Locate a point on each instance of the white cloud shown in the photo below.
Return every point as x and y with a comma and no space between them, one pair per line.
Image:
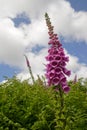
76,67
67,21
14,41
36,33
37,61
10,8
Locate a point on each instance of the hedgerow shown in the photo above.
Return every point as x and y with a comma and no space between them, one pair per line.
36,107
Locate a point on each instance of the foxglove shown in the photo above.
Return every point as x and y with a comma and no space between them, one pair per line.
29,67
56,71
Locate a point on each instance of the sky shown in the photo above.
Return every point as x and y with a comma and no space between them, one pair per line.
23,31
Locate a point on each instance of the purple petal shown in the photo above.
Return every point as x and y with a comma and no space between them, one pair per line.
66,88
63,80
51,42
55,52
66,59
47,76
62,53
57,57
50,58
50,51
61,75
51,74
54,63
67,72
75,79
59,45
62,63
55,81
58,70
48,66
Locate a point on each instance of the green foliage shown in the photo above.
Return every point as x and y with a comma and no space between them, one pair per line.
26,105
34,107
76,103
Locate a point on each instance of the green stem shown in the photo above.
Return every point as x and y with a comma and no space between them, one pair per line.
61,107
61,98
30,71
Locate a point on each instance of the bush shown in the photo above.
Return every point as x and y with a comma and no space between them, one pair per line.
35,107
27,105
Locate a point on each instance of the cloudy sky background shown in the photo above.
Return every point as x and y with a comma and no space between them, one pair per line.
23,31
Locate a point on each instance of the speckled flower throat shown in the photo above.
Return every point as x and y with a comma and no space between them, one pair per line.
56,71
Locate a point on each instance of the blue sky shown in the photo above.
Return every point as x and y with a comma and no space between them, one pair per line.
20,24
79,48
79,4
21,18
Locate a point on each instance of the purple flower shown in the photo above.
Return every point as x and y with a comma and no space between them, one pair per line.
58,58
55,81
54,63
27,61
49,57
63,79
66,59
67,72
65,88
75,79
56,71
29,67
51,74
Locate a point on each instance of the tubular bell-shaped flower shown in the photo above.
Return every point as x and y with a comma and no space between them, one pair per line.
56,71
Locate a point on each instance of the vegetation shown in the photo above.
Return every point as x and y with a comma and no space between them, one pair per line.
35,107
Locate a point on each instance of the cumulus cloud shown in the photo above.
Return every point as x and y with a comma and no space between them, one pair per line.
67,21
12,43
33,8
15,42
37,64
76,67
